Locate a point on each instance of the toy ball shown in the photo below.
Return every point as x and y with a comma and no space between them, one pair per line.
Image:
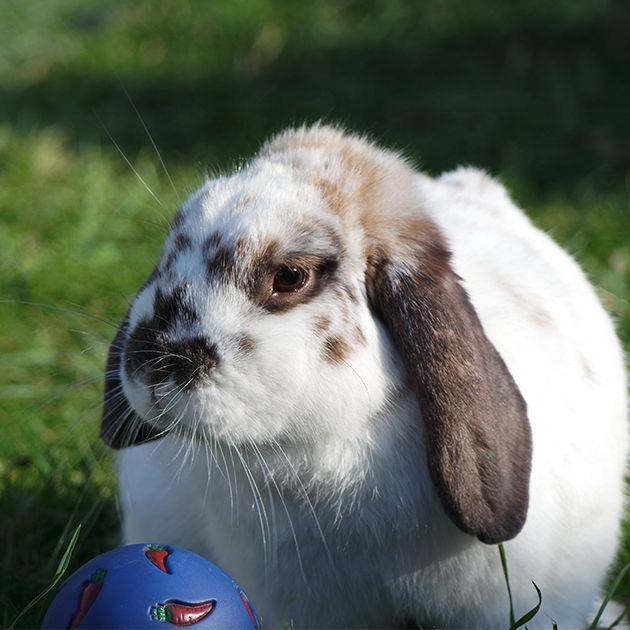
150,586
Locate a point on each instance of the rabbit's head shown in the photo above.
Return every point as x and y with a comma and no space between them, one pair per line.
296,299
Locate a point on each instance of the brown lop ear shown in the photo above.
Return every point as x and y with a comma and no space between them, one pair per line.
477,433
120,425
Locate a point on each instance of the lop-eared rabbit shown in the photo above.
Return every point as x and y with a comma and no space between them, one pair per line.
346,381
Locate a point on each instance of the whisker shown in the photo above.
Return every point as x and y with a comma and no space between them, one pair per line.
365,387
131,166
146,129
61,309
233,492
272,505
206,439
278,449
260,507
291,526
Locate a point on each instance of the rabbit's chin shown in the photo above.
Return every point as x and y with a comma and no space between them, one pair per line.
211,412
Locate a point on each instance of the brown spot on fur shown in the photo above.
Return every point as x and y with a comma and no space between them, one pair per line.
170,260
256,269
212,242
267,257
336,349
351,292
219,263
178,220
182,241
359,336
244,199
241,248
246,344
322,324
538,315
171,307
529,305
332,193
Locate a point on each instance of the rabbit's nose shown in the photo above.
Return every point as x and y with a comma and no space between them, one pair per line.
187,362
152,356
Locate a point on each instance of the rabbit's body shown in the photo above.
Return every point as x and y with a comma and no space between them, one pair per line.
340,515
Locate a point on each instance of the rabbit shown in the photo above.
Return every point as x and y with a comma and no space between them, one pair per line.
346,381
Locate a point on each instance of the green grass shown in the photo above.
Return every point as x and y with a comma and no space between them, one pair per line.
534,91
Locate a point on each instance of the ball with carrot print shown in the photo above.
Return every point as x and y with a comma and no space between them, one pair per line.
150,586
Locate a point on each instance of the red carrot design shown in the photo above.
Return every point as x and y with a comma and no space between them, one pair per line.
248,608
157,554
89,593
181,613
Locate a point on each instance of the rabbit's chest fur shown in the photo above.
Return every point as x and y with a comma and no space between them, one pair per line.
292,522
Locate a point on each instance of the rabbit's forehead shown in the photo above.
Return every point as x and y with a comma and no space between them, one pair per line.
256,221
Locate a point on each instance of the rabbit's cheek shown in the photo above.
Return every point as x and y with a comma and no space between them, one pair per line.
137,395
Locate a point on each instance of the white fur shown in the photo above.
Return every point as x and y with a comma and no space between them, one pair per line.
315,495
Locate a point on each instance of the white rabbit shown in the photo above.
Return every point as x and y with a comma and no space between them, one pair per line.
361,379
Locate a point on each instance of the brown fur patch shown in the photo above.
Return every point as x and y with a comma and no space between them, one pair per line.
245,199
530,306
170,260
322,324
246,344
351,293
242,247
220,263
335,349
359,336
540,316
182,241
267,257
333,194
212,242
178,220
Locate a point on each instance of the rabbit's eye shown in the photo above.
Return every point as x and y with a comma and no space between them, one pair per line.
289,279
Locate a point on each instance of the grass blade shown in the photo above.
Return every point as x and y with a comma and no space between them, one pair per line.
61,569
507,582
609,594
617,621
67,555
531,614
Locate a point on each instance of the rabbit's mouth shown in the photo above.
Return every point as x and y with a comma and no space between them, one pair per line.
166,402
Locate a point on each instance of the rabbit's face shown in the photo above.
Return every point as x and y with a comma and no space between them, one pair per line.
255,323
295,299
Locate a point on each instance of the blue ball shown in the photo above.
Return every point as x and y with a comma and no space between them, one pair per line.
150,586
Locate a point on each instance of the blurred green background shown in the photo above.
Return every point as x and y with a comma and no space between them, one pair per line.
536,92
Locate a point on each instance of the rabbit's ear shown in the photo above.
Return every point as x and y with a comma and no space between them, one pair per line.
477,433
120,425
